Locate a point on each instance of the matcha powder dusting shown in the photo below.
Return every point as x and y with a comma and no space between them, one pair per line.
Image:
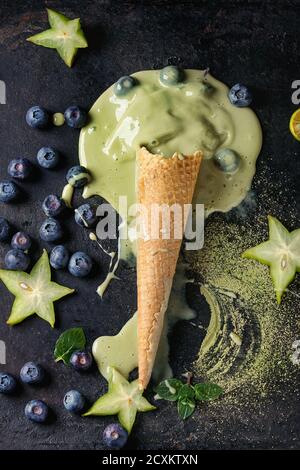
249,337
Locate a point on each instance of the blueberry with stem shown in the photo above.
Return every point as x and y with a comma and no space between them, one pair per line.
37,117
48,157
114,436
75,117
32,373
171,75
59,257
81,360
53,205
86,215
239,95
74,401
20,168
21,241
16,260
77,177
9,191
51,230
8,383
80,264
37,411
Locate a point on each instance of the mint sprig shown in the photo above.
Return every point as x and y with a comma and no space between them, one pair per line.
169,389
186,395
186,407
68,342
207,391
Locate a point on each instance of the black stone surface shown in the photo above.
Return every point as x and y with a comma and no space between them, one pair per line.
254,42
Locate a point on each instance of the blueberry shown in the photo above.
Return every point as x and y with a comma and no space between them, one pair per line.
8,383
227,160
37,117
74,401
53,205
78,176
85,215
5,229
48,157
32,373
171,75
206,88
75,117
59,257
19,168
240,96
124,85
37,411
21,241
81,360
50,230
8,191
80,264
16,260
114,436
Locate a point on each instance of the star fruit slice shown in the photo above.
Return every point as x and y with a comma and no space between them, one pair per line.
281,253
65,35
34,292
123,398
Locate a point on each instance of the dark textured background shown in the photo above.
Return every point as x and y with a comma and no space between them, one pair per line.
256,42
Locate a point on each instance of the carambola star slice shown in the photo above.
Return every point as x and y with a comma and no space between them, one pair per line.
65,35
123,398
34,292
281,252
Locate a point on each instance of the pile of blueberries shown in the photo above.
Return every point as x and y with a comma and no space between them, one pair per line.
47,157
34,374
79,264
20,169
114,436
17,257
40,118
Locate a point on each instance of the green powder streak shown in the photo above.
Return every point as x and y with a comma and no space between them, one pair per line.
242,302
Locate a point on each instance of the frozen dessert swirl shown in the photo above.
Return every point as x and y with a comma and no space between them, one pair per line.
142,121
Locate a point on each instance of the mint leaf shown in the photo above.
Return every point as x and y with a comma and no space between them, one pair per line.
185,407
169,389
207,391
186,391
67,343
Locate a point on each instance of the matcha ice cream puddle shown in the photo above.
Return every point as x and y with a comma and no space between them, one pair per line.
121,352
193,115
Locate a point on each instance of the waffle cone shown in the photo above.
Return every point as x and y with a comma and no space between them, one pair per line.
160,181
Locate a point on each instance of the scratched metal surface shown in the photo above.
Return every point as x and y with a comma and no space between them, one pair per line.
248,41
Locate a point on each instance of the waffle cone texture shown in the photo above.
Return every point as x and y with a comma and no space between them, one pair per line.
160,181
